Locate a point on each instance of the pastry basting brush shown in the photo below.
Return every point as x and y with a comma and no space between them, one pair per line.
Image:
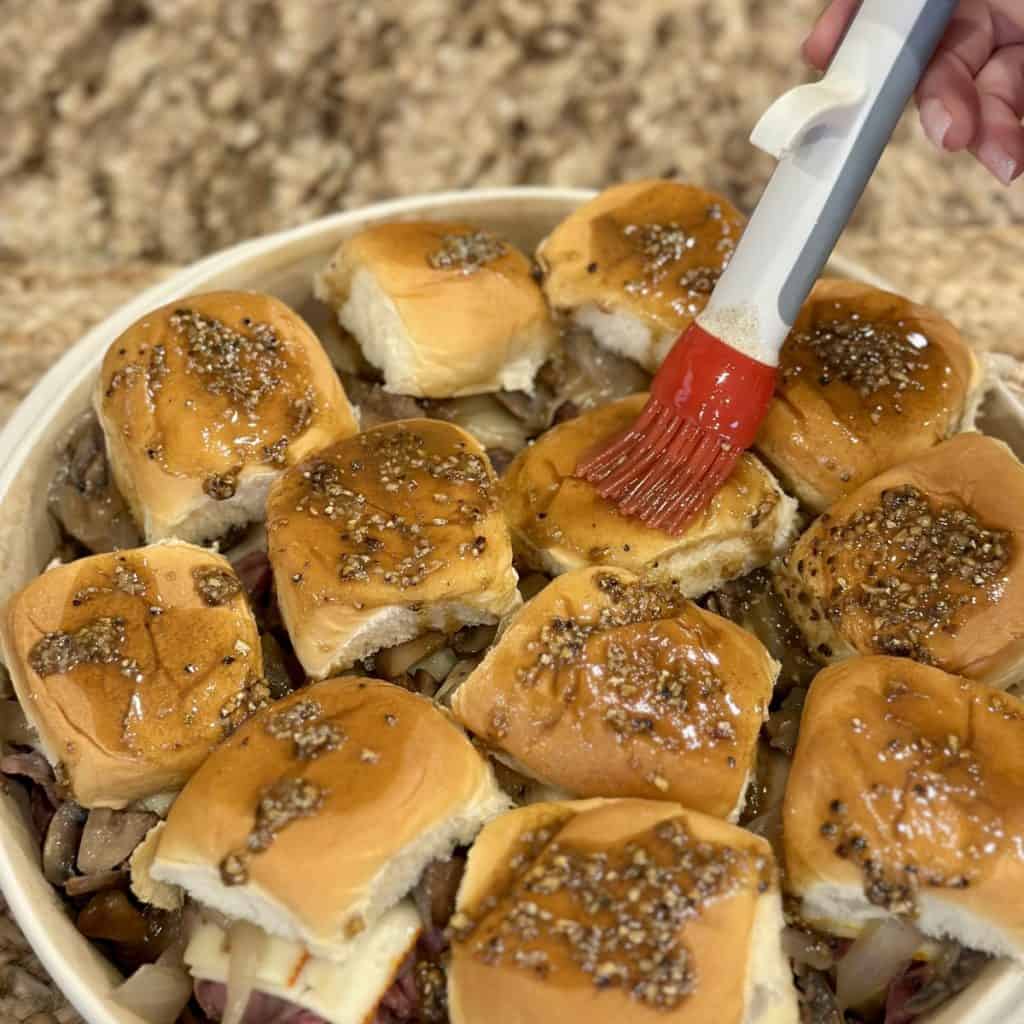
713,390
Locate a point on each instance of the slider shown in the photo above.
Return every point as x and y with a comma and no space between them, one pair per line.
205,401
441,309
906,799
866,380
619,910
607,685
560,522
921,562
132,667
637,264
384,536
305,832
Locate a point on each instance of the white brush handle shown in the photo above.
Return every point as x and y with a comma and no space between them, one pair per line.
828,136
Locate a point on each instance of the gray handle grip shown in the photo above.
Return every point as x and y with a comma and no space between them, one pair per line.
869,144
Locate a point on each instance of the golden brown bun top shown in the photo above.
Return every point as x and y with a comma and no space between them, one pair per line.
212,383
604,685
867,380
329,785
556,511
465,297
924,561
651,248
906,779
545,930
401,514
134,665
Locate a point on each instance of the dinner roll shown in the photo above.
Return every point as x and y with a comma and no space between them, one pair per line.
637,264
286,979
867,379
133,666
606,685
561,522
612,910
440,309
322,811
906,797
204,401
923,561
386,535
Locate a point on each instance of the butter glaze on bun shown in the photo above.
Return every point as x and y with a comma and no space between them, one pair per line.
923,561
906,797
205,401
322,811
560,522
636,264
133,666
687,930
604,685
384,536
441,309
867,380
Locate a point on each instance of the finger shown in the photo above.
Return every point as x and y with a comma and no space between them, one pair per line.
999,143
824,39
1007,22
947,95
949,104
1003,78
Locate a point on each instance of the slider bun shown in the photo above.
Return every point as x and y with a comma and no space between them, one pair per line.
398,786
560,522
923,561
867,380
204,401
130,711
603,685
637,264
386,535
346,993
730,943
907,796
440,309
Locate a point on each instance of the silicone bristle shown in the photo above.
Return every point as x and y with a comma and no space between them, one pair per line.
664,470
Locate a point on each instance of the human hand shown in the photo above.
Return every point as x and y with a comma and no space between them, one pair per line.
972,95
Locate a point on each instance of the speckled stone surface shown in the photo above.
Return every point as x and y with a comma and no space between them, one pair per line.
142,134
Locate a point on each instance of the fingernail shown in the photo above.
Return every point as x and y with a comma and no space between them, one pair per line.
998,161
936,120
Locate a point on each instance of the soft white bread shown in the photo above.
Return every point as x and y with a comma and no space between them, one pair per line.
133,666
322,811
346,993
924,561
637,264
384,536
615,910
440,309
560,522
607,685
907,797
205,401
867,380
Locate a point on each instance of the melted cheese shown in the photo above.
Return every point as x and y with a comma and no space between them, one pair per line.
345,993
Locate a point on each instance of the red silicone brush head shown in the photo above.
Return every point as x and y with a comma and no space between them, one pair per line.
707,402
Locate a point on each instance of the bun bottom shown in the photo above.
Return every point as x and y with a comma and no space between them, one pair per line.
335,637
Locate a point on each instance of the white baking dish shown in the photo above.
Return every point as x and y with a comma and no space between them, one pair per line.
283,265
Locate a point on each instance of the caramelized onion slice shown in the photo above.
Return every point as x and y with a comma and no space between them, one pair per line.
247,945
880,953
155,993
395,661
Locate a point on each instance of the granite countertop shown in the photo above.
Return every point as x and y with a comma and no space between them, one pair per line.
141,135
